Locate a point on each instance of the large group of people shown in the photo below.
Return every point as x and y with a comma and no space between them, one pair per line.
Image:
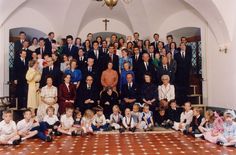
104,84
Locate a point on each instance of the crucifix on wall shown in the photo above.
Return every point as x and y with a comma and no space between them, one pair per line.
105,21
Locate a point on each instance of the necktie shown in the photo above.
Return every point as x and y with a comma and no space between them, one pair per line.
96,54
183,55
90,69
136,57
23,60
129,86
81,59
70,47
165,68
146,65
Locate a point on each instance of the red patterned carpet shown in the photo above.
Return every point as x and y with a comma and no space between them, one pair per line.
120,144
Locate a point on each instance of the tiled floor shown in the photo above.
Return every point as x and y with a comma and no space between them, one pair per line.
120,144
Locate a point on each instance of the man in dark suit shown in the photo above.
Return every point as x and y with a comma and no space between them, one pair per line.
184,64
48,41
137,59
169,39
151,52
155,42
81,59
90,70
111,57
165,69
145,67
129,93
42,48
88,95
52,71
70,49
104,47
99,61
20,70
19,44
25,47
136,38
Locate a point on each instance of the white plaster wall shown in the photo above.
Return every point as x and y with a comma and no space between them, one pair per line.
98,26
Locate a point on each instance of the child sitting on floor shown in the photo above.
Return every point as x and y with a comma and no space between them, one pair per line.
186,118
29,127
116,118
99,121
207,123
67,122
128,122
51,121
77,122
216,130
136,115
147,123
161,117
8,131
86,122
228,137
173,114
197,120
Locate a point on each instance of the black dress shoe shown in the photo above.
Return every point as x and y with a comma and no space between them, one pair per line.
48,139
121,130
16,142
73,134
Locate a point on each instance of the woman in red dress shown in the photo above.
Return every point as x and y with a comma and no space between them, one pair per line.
67,94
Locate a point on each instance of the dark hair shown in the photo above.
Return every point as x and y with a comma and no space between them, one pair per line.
89,34
174,44
23,50
171,101
7,112
169,36
40,39
69,37
136,33
50,33
155,34
22,32
77,39
27,110
64,76
49,77
34,38
95,42
54,41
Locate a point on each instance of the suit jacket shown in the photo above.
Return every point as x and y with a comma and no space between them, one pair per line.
103,50
93,73
44,52
55,73
196,122
73,52
114,60
100,62
85,93
131,93
155,44
142,71
184,66
17,47
161,71
81,63
20,70
48,44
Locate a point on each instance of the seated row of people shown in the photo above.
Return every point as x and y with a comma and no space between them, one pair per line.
213,127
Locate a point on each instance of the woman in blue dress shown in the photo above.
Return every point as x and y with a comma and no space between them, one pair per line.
125,58
76,74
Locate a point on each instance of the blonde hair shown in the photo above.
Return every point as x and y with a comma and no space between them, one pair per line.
116,107
88,113
50,108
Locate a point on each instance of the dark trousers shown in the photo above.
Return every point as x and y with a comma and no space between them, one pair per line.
22,93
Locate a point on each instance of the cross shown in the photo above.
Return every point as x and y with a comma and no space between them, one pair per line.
105,21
